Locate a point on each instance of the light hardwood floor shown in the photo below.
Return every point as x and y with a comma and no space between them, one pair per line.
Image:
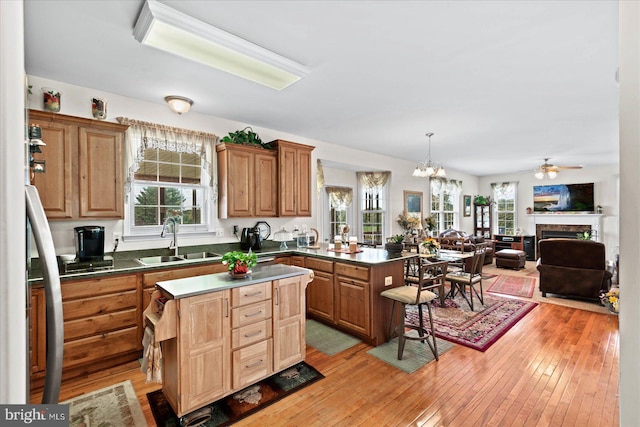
557,367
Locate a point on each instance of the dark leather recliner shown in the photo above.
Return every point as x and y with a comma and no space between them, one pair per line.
573,267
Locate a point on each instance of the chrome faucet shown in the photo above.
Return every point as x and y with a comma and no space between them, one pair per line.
174,242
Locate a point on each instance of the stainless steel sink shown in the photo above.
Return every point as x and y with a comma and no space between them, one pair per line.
201,255
153,260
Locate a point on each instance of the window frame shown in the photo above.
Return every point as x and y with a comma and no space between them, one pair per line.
497,213
384,226
440,212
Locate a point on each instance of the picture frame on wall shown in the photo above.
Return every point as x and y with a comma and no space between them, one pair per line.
466,205
413,204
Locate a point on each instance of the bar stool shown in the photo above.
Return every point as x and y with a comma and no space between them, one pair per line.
419,296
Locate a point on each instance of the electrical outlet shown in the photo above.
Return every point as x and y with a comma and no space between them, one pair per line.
219,232
388,281
117,236
235,230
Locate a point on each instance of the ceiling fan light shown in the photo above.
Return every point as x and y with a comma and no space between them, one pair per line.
552,174
539,174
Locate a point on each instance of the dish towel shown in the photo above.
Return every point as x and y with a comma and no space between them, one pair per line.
151,357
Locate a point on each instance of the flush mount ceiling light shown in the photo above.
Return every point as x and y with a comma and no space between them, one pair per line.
429,169
179,104
175,32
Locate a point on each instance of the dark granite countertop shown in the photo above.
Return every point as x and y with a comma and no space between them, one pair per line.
125,262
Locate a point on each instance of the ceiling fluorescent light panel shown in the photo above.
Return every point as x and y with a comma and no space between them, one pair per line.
167,29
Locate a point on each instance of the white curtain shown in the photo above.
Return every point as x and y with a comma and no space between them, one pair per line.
319,176
504,190
340,197
142,135
443,185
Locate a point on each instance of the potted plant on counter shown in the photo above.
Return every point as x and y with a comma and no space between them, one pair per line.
394,244
239,264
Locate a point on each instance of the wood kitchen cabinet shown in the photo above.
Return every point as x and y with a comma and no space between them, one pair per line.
347,296
289,342
38,332
222,341
102,326
83,161
320,292
247,181
352,294
294,165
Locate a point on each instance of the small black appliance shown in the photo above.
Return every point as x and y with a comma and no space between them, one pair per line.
251,239
89,242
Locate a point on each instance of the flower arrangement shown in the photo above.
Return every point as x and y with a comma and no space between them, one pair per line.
429,245
430,223
612,299
238,262
408,222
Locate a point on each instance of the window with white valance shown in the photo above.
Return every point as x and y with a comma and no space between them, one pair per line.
340,201
373,206
445,206
169,173
505,196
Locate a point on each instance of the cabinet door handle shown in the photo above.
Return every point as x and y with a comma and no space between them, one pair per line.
277,296
253,365
253,314
255,334
227,303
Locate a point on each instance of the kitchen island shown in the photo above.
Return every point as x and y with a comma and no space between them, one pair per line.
219,335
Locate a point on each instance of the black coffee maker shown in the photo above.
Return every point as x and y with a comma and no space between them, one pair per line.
89,242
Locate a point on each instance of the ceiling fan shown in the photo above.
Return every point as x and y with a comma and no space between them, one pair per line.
551,170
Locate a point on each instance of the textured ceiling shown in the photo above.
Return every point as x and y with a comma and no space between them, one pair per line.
501,84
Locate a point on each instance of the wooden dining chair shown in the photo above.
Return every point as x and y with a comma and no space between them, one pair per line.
462,279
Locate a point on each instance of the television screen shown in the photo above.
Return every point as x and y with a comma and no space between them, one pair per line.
563,198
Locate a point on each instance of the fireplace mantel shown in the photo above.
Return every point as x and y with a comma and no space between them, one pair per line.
592,220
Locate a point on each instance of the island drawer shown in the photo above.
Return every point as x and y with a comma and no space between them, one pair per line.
249,294
319,264
253,363
250,334
355,271
251,313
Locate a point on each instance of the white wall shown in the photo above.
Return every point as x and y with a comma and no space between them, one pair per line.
630,212
75,102
605,179
13,290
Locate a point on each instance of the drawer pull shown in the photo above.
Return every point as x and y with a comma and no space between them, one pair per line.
255,334
257,313
253,365
254,294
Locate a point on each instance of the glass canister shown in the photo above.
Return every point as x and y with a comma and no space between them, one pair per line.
337,243
353,244
303,238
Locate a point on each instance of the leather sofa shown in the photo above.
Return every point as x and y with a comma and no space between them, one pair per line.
573,267
460,241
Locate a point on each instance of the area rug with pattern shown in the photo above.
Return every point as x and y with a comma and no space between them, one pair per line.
328,340
477,329
116,405
237,406
513,285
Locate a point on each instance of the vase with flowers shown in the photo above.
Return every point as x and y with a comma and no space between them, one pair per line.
430,224
429,246
239,264
611,299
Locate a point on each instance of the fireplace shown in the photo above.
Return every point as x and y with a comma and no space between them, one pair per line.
564,225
